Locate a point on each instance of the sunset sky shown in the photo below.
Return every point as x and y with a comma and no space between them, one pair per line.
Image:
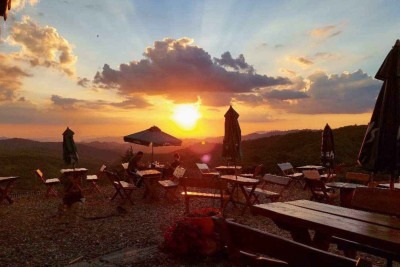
111,68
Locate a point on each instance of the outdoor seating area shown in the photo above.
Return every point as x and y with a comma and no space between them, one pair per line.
163,170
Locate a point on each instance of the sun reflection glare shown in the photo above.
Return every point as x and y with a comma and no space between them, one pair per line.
186,115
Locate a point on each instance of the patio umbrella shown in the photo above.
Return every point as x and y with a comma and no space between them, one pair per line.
380,150
154,137
5,5
327,148
70,153
231,147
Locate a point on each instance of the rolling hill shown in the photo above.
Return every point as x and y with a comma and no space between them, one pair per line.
21,156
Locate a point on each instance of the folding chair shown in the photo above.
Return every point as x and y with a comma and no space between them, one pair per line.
172,184
205,170
256,174
288,170
93,179
319,192
49,183
122,188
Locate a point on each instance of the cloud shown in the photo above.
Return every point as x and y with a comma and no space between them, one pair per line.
302,61
79,104
238,64
84,82
325,32
18,5
42,46
346,93
182,72
285,94
10,78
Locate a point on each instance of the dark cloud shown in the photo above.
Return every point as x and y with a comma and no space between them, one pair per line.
238,64
347,93
181,71
279,46
285,94
84,82
73,103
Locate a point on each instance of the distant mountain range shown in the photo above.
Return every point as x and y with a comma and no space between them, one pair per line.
300,147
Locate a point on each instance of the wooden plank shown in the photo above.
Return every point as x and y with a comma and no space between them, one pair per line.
240,180
366,233
9,178
369,217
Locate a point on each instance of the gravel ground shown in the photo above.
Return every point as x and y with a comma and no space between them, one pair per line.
33,234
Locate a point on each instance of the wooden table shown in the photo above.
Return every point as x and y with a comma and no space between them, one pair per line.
229,170
239,182
372,229
396,186
74,176
311,167
5,188
150,179
346,191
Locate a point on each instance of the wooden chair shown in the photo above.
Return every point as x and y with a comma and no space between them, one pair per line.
216,190
171,185
281,182
122,188
205,170
319,192
314,174
247,246
94,178
288,170
357,177
256,174
49,183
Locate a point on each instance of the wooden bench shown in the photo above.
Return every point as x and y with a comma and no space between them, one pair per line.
212,188
269,179
250,247
377,200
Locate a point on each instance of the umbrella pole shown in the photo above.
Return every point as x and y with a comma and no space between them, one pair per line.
152,153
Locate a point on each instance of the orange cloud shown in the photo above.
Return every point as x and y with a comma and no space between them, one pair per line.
325,32
10,78
42,46
302,61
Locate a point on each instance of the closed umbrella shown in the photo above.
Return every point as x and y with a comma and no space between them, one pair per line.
5,5
380,150
327,148
231,148
70,153
154,137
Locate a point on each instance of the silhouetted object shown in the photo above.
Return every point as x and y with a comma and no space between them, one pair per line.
5,5
70,153
380,150
231,148
154,137
328,148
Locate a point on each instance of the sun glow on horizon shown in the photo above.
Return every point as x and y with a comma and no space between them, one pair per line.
186,115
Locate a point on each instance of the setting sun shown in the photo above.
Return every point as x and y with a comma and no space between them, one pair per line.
186,115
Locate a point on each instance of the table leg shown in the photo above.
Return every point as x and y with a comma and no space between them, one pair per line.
231,194
322,241
247,197
4,193
346,196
